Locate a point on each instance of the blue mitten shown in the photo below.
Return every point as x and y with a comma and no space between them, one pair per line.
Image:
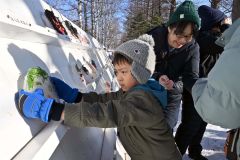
64,91
35,105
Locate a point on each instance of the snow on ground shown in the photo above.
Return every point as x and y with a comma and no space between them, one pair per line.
213,142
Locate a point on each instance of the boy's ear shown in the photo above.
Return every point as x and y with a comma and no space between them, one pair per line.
169,30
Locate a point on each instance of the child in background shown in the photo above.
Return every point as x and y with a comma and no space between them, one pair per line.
136,109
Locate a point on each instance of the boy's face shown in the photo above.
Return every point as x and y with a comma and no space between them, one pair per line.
124,76
177,41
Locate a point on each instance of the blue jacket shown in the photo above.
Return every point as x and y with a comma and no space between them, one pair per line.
152,86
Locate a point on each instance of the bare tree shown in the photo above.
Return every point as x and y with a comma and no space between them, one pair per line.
173,6
147,8
226,6
92,16
85,15
97,17
215,3
80,11
235,10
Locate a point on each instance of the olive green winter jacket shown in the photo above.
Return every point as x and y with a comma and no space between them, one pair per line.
138,116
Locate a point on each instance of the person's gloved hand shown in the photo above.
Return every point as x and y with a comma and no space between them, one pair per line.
35,105
64,91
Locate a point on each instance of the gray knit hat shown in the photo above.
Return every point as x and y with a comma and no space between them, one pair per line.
141,52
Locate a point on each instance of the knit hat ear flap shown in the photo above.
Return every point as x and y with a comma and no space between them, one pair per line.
140,73
149,40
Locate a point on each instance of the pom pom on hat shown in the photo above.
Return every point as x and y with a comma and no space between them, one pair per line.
147,38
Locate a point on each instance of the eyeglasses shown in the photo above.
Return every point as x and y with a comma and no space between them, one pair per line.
186,37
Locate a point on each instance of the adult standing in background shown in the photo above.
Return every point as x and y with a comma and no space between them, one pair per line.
177,56
190,131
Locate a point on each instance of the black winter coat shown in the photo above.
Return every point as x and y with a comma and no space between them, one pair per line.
209,54
180,65
209,51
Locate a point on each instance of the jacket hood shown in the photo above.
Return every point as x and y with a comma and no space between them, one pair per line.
156,90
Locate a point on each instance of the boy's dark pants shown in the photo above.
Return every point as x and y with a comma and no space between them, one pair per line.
191,130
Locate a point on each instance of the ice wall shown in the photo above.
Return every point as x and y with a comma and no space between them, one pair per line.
27,39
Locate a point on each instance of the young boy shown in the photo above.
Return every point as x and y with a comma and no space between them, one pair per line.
135,109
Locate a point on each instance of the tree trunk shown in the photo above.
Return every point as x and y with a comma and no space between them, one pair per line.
236,10
173,6
85,16
215,3
148,8
80,4
92,18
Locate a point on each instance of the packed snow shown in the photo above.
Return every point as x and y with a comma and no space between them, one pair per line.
212,142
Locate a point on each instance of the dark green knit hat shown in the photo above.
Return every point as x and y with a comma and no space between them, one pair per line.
185,12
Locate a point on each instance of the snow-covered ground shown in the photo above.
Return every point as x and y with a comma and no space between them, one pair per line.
213,142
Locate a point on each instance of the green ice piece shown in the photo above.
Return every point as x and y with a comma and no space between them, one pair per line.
33,74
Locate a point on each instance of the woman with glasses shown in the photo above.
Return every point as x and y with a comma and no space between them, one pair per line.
177,56
191,131
177,59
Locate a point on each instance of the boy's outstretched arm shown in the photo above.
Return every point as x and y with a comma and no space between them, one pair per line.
133,109
64,91
72,95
